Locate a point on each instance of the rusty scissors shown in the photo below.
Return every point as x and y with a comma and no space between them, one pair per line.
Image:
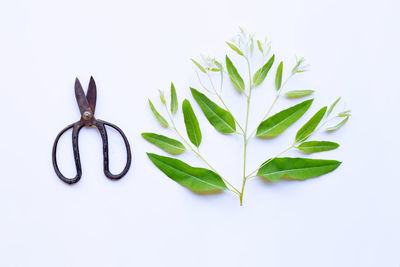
87,105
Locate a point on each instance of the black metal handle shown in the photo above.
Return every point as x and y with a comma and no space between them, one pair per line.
103,132
77,126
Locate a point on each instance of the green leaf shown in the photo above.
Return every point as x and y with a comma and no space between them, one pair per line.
278,77
235,48
221,119
234,75
162,98
297,168
337,126
198,65
317,146
346,113
333,106
174,100
260,46
160,118
251,49
167,144
219,65
279,122
309,127
191,123
196,179
298,65
298,93
260,74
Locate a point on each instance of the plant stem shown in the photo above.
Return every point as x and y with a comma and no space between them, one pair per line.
202,85
245,134
197,152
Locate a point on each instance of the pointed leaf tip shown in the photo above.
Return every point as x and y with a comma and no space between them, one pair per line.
221,119
337,126
158,116
198,66
235,48
278,123
174,99
317,146
192,124
261,74
234,75
297,168
196,179
333,106
278,77
167,144
298,93
309,127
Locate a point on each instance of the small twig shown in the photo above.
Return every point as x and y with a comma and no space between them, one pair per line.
245,133
202,85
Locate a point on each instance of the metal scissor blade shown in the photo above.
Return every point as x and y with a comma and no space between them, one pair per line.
91,94
81,97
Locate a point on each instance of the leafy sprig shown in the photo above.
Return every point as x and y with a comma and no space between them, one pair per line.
222,119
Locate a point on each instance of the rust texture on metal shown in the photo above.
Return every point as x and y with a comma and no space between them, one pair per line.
87,105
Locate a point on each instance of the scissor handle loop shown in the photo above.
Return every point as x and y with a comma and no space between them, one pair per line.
76,127
103,132
100,125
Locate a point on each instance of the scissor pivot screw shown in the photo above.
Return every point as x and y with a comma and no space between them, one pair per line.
87,115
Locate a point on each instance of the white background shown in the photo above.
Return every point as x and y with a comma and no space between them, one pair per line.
349,217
